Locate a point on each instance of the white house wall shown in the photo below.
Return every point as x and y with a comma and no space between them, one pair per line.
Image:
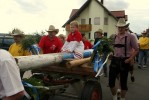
110,28
95,10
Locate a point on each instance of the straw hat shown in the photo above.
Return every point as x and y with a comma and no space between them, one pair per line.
99,31
144,32
17,32
122,23
52,29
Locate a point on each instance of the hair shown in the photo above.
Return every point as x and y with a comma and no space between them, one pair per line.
83,34
75,23
61,36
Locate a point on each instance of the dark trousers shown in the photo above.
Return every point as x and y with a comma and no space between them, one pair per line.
118,67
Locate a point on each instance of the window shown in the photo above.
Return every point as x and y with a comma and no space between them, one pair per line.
89,36
97,21
105,34
90,21
83,21
105,21
0,42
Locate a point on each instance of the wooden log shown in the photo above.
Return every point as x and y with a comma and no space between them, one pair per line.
39,61
88,71
77,62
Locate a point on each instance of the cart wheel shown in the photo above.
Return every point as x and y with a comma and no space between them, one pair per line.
92,91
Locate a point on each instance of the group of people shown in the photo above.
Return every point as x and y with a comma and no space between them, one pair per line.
125,49
75,42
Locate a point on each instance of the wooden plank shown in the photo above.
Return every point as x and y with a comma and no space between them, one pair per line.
61,69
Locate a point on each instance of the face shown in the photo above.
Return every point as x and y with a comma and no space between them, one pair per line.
83,38
98,35
17,38
121,30
51,34
73,28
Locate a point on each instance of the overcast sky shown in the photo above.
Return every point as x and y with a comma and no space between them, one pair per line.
36,15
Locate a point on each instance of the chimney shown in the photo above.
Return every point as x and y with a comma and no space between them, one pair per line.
102,1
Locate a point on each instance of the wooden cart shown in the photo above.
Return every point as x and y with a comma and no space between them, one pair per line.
81,78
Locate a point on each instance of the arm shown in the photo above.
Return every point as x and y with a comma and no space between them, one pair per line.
26,53
17,96
135,48
10,78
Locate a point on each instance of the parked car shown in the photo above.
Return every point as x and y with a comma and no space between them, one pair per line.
5,41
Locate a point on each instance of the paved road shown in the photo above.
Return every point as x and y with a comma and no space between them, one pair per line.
139,90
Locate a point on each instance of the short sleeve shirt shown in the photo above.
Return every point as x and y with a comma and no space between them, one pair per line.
76,36
87,45
131,44
16,50
50,46
10,81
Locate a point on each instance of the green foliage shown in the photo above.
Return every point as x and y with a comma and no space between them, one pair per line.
31,39
28,41
35,82
105,46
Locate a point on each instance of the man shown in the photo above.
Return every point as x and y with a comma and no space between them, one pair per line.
98,35
51,43
123,56
143,52
87,44
11,87
16,48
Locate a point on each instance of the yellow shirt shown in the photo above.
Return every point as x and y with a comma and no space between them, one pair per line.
16,50
144,42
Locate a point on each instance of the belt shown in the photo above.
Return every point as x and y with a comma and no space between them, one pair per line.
120,58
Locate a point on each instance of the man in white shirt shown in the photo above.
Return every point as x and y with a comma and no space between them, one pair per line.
11,87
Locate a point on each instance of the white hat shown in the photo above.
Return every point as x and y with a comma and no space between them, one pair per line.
52,28
122,23
17,32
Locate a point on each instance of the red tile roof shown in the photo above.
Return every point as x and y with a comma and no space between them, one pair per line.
86,4
118,14
73,12
147,30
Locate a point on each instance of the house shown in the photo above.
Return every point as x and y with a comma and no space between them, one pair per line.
92,16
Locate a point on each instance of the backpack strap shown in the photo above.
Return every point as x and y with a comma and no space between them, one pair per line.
125,46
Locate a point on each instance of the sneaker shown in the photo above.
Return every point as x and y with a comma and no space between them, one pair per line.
118,94
132,79
139,66
115,97
144,66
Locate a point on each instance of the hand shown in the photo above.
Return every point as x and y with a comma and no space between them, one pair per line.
129,60
110,56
